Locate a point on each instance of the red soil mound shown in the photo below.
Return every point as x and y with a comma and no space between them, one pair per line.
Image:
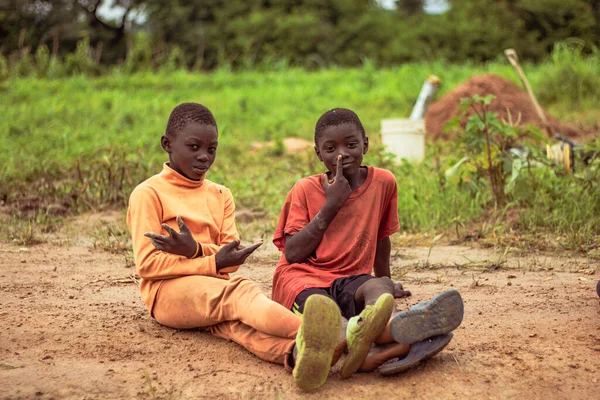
508,97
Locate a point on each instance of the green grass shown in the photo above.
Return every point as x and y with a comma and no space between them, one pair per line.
52,125
87,142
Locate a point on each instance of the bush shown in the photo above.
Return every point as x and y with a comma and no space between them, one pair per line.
23,64
567,204
139,56
81,61
571,76
174,61
4,72
42,60
55,68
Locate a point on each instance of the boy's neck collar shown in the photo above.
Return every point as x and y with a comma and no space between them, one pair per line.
359,178
175,178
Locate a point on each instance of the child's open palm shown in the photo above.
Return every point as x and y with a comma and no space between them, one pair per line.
181,243
233,254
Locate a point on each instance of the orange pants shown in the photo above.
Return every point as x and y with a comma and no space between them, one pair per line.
233,309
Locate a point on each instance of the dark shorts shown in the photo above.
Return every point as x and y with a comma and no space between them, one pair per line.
342,291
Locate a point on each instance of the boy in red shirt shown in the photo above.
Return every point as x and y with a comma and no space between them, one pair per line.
334,231
185,275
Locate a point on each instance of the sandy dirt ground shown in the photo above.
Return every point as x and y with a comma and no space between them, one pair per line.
73,326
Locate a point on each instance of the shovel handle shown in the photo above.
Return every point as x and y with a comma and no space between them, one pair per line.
513,58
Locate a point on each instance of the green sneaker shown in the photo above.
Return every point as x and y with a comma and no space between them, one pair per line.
363,330
316,341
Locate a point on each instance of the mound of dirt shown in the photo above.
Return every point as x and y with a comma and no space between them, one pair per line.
510,99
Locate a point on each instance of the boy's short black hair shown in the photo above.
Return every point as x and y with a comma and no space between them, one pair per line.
338,116
186,113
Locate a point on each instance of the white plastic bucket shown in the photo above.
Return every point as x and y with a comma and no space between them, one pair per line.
404,137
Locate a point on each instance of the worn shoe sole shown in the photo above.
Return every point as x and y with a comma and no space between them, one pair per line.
316,340
361,336
419,351
439,316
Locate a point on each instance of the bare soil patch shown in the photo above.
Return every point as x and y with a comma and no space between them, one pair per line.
72,325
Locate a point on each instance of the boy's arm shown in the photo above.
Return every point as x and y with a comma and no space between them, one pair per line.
145,215
228,231
381,267
301,245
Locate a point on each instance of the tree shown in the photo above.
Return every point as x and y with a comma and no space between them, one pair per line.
555,20
109,37
60,24
246,33
411,7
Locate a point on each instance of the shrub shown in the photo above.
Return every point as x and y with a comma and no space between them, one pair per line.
571,76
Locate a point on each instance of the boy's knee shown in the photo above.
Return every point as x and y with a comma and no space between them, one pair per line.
378,286
386,283
371,290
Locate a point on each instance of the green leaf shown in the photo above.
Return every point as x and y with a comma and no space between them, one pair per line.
488,99
517,166
455,169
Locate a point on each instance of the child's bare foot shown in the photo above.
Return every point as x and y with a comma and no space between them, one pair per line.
399,291
341,346
316,341
379,354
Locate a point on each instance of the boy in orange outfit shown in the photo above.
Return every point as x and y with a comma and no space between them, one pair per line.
334,231
185,275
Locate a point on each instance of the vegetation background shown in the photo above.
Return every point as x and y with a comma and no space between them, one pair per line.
87,86
207,34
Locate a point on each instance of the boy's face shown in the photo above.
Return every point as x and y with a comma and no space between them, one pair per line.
344,139
192,150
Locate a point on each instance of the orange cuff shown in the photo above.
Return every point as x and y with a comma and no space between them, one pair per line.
198,248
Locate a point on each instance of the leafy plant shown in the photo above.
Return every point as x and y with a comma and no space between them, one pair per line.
488,148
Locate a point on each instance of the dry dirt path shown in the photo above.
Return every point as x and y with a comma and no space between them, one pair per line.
73,326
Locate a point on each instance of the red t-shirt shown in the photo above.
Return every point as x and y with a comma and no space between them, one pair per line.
349,243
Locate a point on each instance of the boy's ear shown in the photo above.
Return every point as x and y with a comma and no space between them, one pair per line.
165,143
318,153
366,145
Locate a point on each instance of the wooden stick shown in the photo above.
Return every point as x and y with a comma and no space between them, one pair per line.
511,54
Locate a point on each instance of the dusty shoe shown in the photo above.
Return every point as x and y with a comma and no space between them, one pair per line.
438,316
316,341
363,330
418,352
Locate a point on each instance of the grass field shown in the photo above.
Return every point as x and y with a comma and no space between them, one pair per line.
86,142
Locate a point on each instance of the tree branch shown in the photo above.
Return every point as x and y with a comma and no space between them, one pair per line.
92,14
124,19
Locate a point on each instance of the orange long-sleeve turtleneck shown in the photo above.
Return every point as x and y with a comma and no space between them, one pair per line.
207,209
